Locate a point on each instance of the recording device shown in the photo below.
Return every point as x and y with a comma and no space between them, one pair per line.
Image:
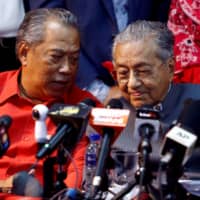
39,114
109,118
180,140
5,123
71,120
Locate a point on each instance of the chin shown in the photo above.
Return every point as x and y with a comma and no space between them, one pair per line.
137,104
55,95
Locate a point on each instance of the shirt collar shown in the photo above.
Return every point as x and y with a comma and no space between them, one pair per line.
159,106
11,88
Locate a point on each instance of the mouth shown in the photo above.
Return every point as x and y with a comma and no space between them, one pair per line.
136,94
61,83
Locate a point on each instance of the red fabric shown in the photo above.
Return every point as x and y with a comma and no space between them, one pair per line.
109,66
16,197
21,153
184,22
143,196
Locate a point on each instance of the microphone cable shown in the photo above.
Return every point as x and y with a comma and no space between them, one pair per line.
60,193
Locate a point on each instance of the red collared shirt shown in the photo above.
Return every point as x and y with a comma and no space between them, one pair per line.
22,150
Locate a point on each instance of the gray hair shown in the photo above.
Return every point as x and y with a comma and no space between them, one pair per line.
32,29
142,29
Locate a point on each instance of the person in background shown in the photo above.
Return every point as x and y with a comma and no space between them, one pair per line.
184,22
143,61
100,21
48,47
12,14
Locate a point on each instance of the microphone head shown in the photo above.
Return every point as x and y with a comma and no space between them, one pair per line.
62,113
115,103
147,124
181,138
74,194
110,117
88,102
190,116
5,121
25,184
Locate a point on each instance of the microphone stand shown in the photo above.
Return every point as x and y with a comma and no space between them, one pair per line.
125,191
61,173
143,175
173,189
52,186
48,171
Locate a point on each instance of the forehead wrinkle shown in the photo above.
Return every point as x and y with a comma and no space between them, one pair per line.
135,52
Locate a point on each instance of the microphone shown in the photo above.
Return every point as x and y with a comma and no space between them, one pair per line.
5,123
70,119
180,139
73,194
147,124
39,114
25,184
108,118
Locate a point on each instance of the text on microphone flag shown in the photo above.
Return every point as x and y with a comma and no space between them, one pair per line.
109,117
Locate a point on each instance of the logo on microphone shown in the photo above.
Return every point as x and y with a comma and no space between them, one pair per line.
109,117
182,136
66,111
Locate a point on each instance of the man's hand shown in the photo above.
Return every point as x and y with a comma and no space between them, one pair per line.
6,185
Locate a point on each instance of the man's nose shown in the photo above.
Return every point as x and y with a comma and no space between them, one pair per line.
134,80
65,67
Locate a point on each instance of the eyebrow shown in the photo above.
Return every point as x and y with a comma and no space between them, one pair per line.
137,65
141,64
64,51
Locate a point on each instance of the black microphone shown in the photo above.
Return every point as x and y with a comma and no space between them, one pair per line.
71,119
25,184
108,134
146,124
180,139
5,123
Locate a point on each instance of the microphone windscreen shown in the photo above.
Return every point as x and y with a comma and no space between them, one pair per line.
74,194
25,184
115,103
190,116
88,102
5,120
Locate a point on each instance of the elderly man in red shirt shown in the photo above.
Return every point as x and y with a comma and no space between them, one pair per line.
48,45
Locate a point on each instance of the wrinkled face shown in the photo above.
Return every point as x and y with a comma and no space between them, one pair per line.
141,75
49,68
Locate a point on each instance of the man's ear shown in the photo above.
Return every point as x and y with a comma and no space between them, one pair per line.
22,53
171,65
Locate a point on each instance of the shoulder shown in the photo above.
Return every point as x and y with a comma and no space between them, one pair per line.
8,86
188,89
6,76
